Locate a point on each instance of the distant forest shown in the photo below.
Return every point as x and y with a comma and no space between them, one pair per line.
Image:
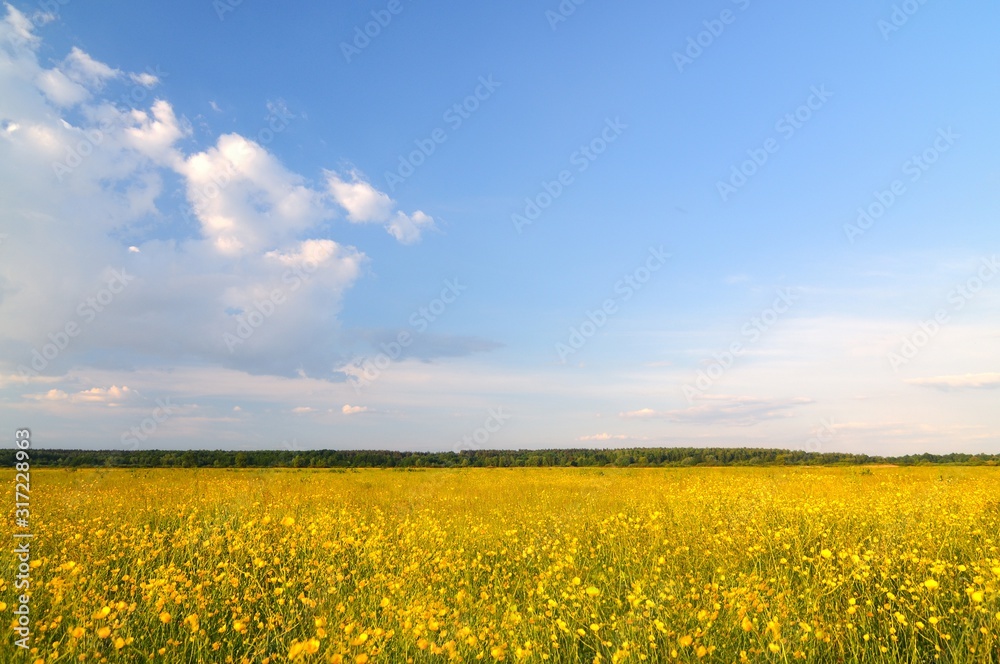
642,457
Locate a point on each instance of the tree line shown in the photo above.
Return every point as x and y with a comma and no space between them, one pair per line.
639,457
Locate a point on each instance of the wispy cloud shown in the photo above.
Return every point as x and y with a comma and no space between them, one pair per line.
978,381
725,410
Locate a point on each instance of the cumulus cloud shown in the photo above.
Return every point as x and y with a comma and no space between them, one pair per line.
83,184
353,410
978,381
246,200
153,134
365,204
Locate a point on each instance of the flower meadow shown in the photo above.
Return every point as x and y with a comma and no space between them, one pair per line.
778,564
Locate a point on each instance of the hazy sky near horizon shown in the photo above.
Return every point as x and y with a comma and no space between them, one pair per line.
428,226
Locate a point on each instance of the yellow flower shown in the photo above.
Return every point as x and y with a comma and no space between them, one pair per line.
104,632
165,617
931,584
361,659
685,640
746,624
593,591
78,632
701,651
773,647
239,626
119,643
312,646
826,553
977,596
288,521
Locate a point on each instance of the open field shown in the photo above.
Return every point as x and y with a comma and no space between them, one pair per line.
576,565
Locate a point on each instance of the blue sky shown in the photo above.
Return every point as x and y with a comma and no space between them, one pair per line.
628,226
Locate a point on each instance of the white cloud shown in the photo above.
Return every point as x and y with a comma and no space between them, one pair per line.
259,229
962,382
725,410
62,90
76,77
145,79
86,71
51,395
641,413
407,228
19,27
245,199
353,410
153,134
365,204
112,396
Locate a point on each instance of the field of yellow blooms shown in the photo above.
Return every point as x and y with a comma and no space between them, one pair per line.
557,565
